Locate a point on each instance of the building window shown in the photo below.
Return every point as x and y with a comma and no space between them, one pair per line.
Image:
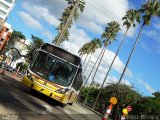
2,13
2,5
9,1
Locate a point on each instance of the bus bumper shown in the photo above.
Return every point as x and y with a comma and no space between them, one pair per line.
63,98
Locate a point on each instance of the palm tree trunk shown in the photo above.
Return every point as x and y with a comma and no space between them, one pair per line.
90,73
93,67
110,68
99,63
135,44
86,97
94,75
87,63
85,60
67,23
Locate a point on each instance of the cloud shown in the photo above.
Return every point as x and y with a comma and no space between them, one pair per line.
98,13
150,33
76,40
156,25
113,79
154,36
145,47
94,18
41,13
30,21
48,35
147,86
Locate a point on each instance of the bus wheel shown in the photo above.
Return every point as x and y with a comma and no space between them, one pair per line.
32,91
63,105
70,103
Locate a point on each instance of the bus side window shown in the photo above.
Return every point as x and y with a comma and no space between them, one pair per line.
78,81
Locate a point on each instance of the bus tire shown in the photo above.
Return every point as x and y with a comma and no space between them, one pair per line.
63,105
32,91
70,103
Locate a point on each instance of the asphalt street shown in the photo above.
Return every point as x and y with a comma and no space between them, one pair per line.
17,102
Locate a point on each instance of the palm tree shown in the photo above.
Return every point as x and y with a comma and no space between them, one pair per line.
70,13
103,49
109,35
95,44
92,68
148,10
85,49
130,18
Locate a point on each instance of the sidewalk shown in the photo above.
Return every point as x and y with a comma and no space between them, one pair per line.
12,74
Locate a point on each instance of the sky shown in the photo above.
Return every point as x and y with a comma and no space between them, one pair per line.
41,17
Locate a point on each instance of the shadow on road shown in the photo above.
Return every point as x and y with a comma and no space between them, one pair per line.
27,90
18,100
31,105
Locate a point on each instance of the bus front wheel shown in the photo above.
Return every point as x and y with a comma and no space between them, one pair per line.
63,105
70,103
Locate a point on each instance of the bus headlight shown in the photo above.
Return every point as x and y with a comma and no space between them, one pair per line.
62,91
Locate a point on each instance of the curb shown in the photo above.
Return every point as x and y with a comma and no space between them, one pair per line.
99,114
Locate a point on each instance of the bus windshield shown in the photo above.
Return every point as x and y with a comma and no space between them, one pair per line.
53,69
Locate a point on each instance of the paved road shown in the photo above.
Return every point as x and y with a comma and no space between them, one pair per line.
18,103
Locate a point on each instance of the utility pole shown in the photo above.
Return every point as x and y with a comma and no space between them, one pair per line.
67,23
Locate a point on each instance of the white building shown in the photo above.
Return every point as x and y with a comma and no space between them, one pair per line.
22,45
5,7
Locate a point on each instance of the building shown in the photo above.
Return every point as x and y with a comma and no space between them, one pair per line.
22,46
5,34
5,28
1,24
5,7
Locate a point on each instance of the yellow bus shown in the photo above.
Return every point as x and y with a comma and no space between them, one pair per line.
56,73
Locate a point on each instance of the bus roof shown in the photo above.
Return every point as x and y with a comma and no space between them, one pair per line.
59,52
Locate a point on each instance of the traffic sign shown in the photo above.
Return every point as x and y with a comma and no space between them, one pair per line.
125,111
113,100
129,108
123,117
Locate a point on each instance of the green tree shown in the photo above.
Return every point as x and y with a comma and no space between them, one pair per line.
156,94
85,49
148,10
15,36
36,43
131,17
94,45
125,94
90,48
147,106
70,13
